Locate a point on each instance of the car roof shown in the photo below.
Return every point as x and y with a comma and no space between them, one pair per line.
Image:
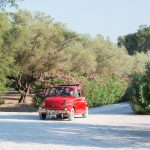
75,86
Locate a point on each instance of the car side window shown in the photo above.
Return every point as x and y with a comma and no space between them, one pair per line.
77,94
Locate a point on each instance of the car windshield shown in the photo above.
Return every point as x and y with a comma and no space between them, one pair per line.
59,91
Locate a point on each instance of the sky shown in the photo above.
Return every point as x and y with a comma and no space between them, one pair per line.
110,18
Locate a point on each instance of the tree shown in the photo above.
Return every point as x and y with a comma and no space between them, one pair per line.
110,59
5,56
38,44
9,3
81,57
136,42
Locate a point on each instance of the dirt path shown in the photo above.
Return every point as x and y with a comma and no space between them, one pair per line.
109,127
11,103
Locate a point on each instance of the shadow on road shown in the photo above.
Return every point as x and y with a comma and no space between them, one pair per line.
20,117
32,117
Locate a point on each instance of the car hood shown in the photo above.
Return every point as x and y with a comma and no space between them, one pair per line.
57,101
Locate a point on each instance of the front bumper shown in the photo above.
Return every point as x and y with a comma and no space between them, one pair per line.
52,112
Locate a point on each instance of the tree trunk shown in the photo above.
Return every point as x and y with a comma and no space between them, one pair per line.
23,97
24,94
22,83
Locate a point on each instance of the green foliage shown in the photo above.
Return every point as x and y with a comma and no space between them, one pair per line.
136,42
110,59
80,59
87,55
41,85
5,56
39,89
33,44
2,90
1,101
139,94
139,60
8,3
104,92
37,45
96,91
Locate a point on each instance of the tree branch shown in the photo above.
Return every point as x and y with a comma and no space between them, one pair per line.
65,43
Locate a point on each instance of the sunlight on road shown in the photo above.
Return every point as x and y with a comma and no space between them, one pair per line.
109,127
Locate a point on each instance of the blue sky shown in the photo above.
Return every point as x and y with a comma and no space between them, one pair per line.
109,18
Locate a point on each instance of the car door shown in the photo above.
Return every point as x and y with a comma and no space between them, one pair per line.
80,103
83,105
77,103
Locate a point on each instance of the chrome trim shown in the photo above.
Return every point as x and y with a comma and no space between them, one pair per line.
52,112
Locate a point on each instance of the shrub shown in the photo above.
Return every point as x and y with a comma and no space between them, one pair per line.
2,89
107,92
1,101
98,92
139,94
40,86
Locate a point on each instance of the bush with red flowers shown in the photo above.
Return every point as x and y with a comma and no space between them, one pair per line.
98,92
41,85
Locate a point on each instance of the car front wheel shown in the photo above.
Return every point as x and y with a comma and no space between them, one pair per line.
71,114
42,116
85,114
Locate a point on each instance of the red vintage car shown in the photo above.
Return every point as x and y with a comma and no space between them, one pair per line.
64,101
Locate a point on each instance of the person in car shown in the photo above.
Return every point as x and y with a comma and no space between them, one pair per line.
67,92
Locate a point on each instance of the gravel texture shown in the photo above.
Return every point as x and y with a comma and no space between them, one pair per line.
110,127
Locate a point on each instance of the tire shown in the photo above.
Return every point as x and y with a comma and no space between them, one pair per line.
85,114
59,117
71,115
42,116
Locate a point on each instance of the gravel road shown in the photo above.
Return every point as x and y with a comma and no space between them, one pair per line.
110,127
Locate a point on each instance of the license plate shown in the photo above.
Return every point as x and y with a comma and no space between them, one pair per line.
53,113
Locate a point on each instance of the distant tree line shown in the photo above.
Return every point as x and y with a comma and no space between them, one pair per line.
136,42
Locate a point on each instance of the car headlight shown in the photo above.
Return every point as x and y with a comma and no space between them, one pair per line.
42,105
64,105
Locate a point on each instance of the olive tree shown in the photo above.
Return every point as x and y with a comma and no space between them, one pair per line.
9,3
111,59
38,44
5,56
81,59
